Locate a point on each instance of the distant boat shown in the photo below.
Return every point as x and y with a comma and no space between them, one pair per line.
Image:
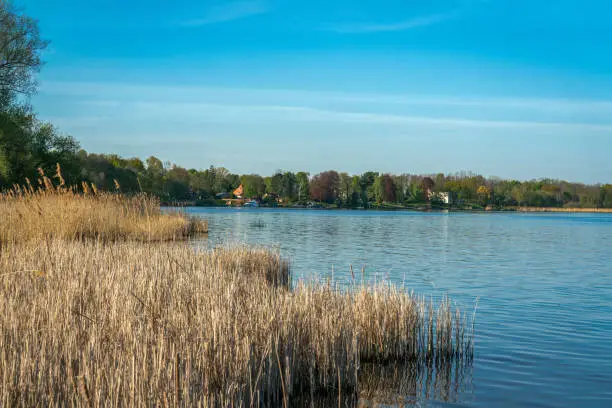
251,204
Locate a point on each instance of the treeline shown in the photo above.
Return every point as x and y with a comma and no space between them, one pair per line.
44,148
339,189
26,144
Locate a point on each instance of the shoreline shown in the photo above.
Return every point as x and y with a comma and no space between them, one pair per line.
563,210
515,209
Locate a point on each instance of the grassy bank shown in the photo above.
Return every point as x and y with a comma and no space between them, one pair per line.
55,211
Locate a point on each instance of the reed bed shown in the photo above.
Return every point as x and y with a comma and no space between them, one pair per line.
93,323
48,210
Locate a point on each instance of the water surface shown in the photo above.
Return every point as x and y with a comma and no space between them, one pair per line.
543,284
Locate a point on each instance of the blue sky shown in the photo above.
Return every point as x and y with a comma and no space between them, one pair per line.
516,89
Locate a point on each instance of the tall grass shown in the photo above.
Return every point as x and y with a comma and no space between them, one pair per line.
48,210
134,324
95,311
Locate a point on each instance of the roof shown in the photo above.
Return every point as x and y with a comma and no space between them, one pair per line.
239,191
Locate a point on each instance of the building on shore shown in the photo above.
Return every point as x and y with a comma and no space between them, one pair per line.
443,196
239,192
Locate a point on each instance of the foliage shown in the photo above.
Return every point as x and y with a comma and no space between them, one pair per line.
303,185
27,144
20,47
325,187
254,185
385,189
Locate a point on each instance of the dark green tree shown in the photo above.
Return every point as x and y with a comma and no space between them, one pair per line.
20,49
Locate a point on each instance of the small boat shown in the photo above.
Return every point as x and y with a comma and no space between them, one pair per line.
251,204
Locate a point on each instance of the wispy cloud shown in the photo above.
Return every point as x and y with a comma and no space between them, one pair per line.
403,25
105,92
254,113
222,13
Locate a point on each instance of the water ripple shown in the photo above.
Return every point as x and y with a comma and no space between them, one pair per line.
544,283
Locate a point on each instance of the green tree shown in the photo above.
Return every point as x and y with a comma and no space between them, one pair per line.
384,189
198,183
27,144
346,188
20,49
402,187
301,179
275,183
606,196
366,183
154,176
177,183
221,182
253,185
288,186
355,195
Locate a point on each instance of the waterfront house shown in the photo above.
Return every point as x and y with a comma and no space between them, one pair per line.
239,192
443,196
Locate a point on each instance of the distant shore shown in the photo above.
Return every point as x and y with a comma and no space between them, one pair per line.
563,210
421,208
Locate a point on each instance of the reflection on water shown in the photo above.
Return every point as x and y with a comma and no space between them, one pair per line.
544,284
413,383
401,384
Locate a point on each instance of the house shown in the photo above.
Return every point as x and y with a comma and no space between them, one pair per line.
443,196
239,192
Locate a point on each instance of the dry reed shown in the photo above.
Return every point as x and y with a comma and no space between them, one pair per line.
123,320
55,211
143,324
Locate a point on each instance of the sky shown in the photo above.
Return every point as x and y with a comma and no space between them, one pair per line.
509,88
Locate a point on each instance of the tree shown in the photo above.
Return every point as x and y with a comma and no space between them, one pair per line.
177,183
154,176
210,175
253,185
366,182
198,183
15,144
20,48
384,189
355,195
440,181
427,185
324,187
27,144
606,196
484,193
416,193
233,181
274,184
301,179
346,187
221,182
402,185
288,185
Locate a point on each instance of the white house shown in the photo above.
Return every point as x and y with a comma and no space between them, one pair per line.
443,196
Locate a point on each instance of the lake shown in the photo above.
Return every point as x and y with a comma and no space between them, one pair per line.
543,284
